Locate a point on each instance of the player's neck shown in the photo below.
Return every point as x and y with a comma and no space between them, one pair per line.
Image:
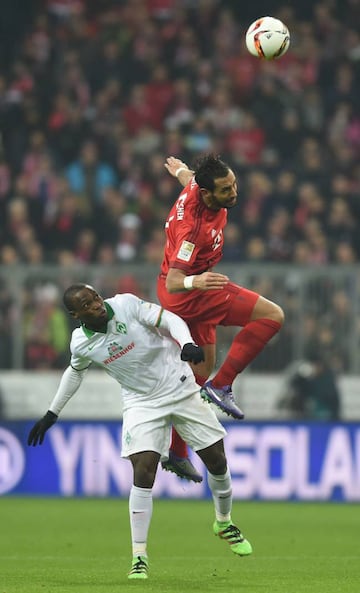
97,330
210,203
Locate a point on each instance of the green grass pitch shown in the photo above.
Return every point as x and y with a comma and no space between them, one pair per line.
75,546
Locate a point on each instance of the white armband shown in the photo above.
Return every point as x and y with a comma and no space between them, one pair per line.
180,169
188,282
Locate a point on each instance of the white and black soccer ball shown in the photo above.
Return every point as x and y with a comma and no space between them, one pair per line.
267,38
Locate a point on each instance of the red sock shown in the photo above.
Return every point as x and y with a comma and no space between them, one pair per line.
246,345
178,445
200,380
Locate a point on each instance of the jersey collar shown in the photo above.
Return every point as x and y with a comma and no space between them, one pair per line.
89,332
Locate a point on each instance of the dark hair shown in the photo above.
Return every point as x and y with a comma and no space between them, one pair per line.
70,292
207,169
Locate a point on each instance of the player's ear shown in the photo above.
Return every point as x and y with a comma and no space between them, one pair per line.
73,314
204,192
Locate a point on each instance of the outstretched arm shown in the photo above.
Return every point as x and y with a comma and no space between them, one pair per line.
69,384
179,169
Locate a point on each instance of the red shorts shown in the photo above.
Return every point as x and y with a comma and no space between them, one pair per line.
203,310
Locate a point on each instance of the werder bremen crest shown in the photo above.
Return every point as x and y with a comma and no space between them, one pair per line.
114,348
121,327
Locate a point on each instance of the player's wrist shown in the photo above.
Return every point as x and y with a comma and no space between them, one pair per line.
189,282
181,168
50,417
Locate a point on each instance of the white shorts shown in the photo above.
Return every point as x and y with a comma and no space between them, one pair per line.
146,428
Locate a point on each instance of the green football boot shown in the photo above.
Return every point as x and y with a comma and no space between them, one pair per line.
233,536
139,568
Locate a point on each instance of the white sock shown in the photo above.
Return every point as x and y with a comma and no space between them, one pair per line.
221,490
140,511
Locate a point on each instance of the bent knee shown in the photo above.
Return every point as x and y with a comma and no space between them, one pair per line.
265,309
144,477
277,314
218,468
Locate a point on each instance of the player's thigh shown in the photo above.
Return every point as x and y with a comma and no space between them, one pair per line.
144,466
214,458
146,429
203,332
242,302
264,308
233,305
197,423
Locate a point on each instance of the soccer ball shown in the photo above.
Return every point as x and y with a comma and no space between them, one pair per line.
267,38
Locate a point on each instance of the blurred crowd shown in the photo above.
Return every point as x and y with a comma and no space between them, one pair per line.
95,95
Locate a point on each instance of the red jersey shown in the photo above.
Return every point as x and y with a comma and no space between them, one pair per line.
194,234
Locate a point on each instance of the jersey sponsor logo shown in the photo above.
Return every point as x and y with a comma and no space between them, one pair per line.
180,209
186,250
113,348
121,327
116,351
217,241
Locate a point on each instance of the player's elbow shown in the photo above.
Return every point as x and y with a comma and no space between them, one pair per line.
170,286
174,280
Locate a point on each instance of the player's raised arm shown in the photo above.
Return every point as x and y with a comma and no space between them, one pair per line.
179,169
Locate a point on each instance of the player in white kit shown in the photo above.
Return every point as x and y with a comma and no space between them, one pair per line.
146,349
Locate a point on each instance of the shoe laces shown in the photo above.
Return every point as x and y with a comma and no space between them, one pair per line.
139,566
232,534
227,390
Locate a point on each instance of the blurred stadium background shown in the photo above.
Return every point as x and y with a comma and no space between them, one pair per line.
93,97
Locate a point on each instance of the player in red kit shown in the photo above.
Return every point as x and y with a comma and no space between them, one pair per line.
189,287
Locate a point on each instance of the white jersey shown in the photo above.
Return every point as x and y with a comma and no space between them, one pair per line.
135,352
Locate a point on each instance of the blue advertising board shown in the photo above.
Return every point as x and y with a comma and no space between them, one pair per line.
268,461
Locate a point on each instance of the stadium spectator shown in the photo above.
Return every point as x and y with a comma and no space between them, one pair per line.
256,250
140,112
312,391
232,250
278,237
7,311
246,143
154,249
62,230
46,330
165,393
127,245
85,246
9,255
89,176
